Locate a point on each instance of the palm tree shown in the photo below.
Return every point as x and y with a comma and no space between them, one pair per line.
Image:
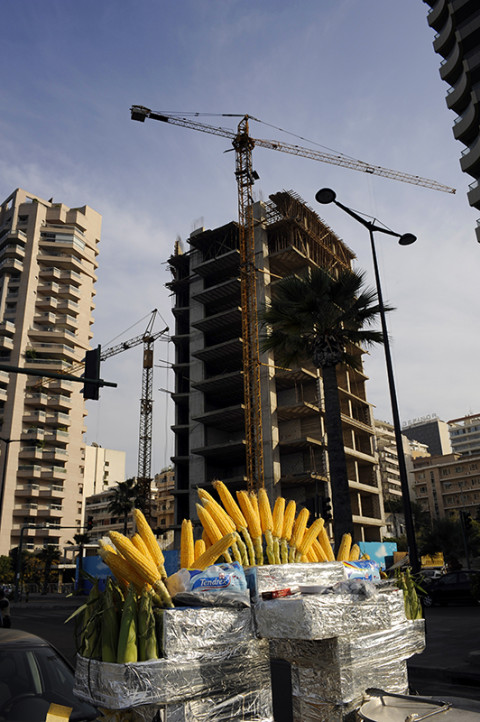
50,557
321,316
124,499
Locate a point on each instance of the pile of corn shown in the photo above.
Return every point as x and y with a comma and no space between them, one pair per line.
248,531
121,627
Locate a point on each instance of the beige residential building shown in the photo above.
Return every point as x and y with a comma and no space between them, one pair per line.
48,260
209,406
448,484
465,434
103,469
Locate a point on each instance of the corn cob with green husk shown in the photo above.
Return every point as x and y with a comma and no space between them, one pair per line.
266,522
253,522
91,640
288,521
146,635
413,608
278,515
235,513
298,533
110,622
145,568
127,649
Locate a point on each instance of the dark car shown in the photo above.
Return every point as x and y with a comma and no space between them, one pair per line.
34,675
453,587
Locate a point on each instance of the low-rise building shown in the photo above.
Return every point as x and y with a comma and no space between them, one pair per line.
448,484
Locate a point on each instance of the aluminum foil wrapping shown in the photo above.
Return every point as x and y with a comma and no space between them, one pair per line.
320,616
233,669
190,632
254,706
279,576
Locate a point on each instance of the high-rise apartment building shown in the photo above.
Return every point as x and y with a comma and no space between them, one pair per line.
209,408
457,40
48,261
388,460
448,484
104,468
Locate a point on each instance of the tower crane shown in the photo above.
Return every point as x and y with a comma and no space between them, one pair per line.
148,338
243,145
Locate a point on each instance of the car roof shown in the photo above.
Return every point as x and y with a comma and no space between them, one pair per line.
18,637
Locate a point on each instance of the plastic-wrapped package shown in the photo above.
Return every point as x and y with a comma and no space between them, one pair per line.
338,670
231,669
307,710
279,576
190,632
253,706
320,616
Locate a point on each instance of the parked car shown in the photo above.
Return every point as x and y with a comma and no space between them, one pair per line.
33,675
452,587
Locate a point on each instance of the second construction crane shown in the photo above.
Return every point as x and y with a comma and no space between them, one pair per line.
148,338
243,145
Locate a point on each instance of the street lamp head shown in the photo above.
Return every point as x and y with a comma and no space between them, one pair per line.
325,196
407,239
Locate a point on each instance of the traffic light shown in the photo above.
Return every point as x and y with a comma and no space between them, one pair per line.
468,521
92,372
326,508
90,523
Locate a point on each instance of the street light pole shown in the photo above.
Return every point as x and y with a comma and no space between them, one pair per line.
325,196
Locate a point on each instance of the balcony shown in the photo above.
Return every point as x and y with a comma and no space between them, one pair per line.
470,160
452,66
437,15
70,293
473,194
30,490
444,40
465,128
6,343
48,288
11,265
458,97
51,273
30,470
46,302
34,416
46,318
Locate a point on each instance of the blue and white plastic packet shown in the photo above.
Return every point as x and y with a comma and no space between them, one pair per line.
217,585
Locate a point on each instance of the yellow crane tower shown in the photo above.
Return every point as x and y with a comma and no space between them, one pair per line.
243,145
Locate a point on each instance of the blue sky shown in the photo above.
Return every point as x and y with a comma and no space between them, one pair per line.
355,76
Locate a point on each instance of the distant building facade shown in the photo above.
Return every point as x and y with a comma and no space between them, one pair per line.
431,431
465,435
448,484
103,468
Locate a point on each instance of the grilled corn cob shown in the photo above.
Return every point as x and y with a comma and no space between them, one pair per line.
199,548
226,526
308,538
354,553
278,515
326,546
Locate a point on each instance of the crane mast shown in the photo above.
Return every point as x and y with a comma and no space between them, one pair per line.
243,145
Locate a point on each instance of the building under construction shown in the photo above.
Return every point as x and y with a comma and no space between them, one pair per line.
210,436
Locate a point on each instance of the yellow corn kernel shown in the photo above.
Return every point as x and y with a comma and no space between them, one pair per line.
231,506
278,516
205,539
211,528
220,517
252,519
208,501
344,549
211,555
199,548
317,549
299,527
145,531
265,511
354,553
123,571
186,544
310,556
326,546
141,564
141,546
288,520
310,534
